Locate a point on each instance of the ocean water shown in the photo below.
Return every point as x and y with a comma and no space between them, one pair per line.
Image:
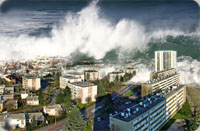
174,18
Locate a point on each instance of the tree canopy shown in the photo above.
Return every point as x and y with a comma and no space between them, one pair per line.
75,121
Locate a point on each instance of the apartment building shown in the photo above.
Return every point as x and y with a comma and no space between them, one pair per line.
165,60
76,74
147,115
175,98
152,113
31,82
65,80
160,83
115,76
91,75
162,74
83,91
130,70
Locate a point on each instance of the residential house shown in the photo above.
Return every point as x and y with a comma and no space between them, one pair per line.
53,110
32,100
11,104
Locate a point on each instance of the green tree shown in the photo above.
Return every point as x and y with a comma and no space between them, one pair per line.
59,98
56,77
41,100
185,110
33,123
75,121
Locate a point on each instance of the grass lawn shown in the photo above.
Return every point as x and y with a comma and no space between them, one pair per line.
129,93
179,116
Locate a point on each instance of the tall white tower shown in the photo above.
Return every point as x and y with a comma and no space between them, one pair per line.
165,60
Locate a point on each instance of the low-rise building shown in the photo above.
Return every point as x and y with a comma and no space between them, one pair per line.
53,110
116,76
38,116
9,90
130,70
83,91
14,121
10,104
8,97
91,75
32,100
24,95
31,82
1,105
65,80
2,88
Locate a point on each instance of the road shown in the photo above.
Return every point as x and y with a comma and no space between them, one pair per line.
59,126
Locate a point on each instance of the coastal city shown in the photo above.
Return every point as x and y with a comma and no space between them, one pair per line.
54,94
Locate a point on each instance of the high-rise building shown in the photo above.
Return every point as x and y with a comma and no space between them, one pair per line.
165,60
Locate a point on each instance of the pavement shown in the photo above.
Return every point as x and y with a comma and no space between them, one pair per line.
177,125
59,126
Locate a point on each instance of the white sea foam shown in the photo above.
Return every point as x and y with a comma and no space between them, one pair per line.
87,31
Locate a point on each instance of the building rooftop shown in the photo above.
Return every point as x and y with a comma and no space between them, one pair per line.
30,76
56,106
82,84
116,72
91,71
138,109
170,91
20,116
172,69
11,102
36,115
74,73
32,98
69,77
160,79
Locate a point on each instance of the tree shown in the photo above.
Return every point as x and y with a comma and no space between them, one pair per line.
33,123
56,77
59,98
75,121
40,97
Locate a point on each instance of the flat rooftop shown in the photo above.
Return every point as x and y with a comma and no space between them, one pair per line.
138,109
82,84
160,79
91,71
69,77
74,73
116,72
170,91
